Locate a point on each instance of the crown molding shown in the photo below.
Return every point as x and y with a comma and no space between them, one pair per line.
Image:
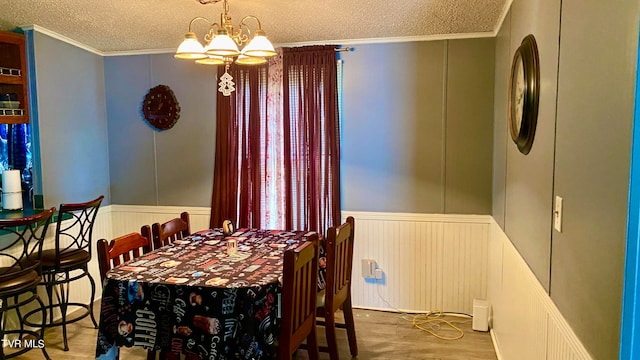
62,38
139,52
343,42
503,15
386,40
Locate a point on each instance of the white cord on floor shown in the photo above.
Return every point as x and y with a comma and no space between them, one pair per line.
430,321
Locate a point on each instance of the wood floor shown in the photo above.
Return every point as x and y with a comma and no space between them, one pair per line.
381,335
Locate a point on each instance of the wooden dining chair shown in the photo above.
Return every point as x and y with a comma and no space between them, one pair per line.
124,248
170,231
299,288
165,234
337,292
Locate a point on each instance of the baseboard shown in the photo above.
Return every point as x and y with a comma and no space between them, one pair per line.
496,347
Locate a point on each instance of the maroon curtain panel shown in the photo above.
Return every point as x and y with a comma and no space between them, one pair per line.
311,138
310,141
237,174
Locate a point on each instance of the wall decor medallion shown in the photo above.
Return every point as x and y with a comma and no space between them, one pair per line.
160,107
524,94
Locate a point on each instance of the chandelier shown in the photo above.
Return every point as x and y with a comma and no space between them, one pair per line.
225,44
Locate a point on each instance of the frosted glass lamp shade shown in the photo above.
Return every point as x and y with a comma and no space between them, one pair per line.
259,46
190,48
222,45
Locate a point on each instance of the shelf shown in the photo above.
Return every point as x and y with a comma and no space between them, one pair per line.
14,80
14,119
13,76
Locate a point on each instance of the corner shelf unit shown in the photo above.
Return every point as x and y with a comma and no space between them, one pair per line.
13,77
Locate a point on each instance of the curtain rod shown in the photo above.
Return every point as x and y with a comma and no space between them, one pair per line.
347,49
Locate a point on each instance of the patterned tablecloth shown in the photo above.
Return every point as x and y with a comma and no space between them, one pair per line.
196,298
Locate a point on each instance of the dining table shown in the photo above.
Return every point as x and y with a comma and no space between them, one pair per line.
207,295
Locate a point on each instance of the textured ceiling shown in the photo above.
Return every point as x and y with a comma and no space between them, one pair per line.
144,25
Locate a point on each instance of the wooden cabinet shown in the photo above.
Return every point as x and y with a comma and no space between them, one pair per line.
14,98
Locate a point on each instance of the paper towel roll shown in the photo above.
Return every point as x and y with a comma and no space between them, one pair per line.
11,181
12,200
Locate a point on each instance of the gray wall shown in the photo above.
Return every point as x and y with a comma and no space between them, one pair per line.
92,144
424,147
581,152
150,167
528,197
416,127
72,122
595,111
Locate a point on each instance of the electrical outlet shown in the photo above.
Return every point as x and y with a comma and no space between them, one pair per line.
557,215
368,268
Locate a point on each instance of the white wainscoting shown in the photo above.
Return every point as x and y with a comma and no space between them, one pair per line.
430,261
526,324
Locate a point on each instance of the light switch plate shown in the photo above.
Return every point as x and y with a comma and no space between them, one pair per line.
557,214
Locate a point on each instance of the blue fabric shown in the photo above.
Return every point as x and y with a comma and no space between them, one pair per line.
15,151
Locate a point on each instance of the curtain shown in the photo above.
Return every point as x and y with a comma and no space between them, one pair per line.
237,175
277,144
311,138
273,201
